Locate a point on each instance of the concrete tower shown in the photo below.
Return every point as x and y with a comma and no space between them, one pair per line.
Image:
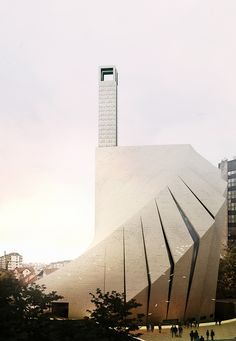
107,120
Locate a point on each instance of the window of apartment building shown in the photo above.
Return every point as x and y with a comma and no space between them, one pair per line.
231,206
231,182
232,219
232,194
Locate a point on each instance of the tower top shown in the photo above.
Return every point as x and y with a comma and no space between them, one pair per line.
108,73
107,120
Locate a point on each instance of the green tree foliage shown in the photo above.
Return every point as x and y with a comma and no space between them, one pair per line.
25,312
113,315
227,274
19,301
10,297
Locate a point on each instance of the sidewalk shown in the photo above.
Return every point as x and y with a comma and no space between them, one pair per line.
226,331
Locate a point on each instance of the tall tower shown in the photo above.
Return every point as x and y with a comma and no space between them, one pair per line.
228,173
107,120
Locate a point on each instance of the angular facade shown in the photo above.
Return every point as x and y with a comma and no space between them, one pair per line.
160,227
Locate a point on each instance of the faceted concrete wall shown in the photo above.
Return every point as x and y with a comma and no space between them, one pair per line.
160,227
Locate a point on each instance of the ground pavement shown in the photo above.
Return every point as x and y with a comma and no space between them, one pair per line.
225,331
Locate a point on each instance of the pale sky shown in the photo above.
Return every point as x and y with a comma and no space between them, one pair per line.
176,61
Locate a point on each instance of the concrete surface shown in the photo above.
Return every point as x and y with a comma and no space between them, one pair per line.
226,331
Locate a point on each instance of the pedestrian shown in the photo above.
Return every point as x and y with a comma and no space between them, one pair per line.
172,331
175,330
159,327
207,334
195,335
152,327
191,335
201,338
180,331
212,334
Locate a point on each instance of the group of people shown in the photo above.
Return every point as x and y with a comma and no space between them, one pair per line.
176,331
194,336
150,327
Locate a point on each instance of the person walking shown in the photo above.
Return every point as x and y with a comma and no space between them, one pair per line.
191,334
207,334
180,331
159,327
212,334
195,335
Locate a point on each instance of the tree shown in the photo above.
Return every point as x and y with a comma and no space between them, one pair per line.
227,274
10,297
113,315
19,301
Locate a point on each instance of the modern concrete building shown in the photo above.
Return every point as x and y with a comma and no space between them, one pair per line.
228,171
160,228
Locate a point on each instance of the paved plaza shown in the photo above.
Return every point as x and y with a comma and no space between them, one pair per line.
225,331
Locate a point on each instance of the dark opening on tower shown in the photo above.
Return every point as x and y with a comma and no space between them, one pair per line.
107,74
